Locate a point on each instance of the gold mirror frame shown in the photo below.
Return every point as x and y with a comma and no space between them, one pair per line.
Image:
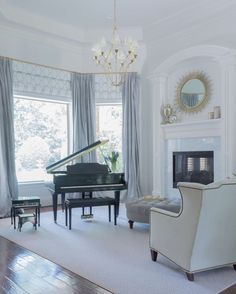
199,75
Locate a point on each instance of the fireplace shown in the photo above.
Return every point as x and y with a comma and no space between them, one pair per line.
193,166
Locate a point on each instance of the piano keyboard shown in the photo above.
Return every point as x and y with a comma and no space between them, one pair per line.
93,186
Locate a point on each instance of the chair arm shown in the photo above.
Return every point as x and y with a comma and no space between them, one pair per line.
214,185
192,185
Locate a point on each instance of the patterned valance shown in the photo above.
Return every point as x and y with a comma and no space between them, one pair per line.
105,92
40,81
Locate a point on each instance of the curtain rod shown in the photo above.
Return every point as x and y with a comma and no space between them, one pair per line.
58,68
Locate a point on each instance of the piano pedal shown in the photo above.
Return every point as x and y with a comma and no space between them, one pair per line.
87,216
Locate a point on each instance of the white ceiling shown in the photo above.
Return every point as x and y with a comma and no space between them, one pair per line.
89,14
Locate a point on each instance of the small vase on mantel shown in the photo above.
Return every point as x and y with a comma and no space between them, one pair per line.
217,113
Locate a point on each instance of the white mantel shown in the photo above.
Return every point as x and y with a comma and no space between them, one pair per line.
195,132
205,128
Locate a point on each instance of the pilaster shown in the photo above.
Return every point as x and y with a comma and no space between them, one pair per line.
159,88
228,92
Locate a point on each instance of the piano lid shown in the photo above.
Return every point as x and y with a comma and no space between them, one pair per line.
75,155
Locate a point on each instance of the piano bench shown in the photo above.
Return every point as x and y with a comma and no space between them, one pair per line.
90,202
27,217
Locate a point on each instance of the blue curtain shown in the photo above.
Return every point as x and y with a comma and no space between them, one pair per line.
8,181
130,100
83,107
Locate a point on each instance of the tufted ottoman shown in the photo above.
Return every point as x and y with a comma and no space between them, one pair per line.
139,210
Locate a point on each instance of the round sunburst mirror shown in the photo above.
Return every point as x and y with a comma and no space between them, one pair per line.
193,91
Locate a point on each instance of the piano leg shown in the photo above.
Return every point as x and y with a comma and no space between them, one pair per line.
109,212
62,201
54,204
90,208
70,211
66,214
115,213
84,209
83,196
117,198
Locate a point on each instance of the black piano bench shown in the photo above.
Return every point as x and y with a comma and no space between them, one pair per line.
89,202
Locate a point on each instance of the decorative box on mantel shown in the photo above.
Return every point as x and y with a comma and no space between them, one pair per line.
206,128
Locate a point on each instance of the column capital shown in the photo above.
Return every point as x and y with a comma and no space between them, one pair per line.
158,77
227,60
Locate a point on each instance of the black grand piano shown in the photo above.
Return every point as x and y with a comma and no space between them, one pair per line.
83,177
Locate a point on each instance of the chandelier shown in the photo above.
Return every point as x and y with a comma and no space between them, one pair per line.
115,56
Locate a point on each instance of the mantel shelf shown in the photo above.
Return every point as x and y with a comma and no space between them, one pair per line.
191,129
195,122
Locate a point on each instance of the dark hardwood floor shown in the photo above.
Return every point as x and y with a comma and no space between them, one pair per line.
22,271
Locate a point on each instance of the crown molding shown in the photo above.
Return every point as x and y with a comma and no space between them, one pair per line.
194,17
20,19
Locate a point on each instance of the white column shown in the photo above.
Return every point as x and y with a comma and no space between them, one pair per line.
159,92
229,115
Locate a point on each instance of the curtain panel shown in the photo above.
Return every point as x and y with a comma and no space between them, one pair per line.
130,99
83,108
8,181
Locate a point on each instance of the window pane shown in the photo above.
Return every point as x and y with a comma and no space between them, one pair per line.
109,126
40,137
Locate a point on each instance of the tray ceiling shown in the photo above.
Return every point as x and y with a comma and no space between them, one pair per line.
89,14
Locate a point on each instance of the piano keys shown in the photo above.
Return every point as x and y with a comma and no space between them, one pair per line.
84,177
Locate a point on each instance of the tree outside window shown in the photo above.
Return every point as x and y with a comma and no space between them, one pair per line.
41,136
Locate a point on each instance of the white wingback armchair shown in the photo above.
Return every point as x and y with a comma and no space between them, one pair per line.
202,235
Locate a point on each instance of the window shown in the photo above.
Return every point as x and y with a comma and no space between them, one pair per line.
41,136
109,121
109,126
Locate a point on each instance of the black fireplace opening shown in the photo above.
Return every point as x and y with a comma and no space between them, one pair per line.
193,166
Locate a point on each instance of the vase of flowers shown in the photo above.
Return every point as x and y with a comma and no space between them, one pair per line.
113,157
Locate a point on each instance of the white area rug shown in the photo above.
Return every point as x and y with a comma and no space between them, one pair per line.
114,257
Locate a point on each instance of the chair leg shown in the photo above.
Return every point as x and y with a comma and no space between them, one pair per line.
154,255
190,276
234,265
131,224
